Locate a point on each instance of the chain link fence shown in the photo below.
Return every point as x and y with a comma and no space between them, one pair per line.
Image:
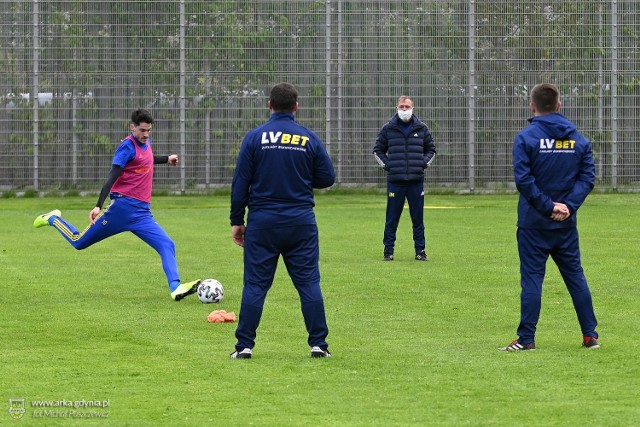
71,72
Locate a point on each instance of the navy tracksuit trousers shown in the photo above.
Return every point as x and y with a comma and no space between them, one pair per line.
298,246
413,192
562,244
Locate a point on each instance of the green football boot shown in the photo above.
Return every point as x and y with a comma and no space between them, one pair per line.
43,220
185,289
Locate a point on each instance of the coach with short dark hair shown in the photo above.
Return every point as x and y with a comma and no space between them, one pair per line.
279,165
554,173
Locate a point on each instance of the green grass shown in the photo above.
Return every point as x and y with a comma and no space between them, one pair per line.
413,343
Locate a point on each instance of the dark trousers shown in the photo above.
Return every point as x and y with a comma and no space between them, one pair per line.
298,246
413,193
534,248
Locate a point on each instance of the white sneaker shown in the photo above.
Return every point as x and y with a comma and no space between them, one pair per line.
244,354
318,352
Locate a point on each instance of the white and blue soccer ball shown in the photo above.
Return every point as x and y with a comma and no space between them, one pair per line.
210,291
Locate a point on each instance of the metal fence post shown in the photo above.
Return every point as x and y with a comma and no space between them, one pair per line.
471,95
36,91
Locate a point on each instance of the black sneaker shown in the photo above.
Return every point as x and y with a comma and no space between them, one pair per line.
319,352
516,346
590,342
244,354
388,256
421,256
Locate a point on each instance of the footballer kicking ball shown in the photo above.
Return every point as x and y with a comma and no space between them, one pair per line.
210,291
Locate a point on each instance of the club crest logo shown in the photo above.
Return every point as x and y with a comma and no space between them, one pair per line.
17,408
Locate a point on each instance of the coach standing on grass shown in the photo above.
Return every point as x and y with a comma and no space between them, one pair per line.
279,165
554,173
404,148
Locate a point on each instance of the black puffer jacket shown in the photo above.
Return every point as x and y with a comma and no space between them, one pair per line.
404,157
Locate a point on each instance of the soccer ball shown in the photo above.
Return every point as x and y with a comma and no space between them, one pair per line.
210,291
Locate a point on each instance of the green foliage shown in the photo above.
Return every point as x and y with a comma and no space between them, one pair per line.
413,343
99,144
111,56
30,193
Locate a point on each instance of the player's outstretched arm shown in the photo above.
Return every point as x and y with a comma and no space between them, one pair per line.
160,160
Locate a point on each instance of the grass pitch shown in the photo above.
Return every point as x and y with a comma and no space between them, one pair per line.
414,343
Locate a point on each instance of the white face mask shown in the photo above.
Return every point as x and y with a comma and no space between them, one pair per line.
405,115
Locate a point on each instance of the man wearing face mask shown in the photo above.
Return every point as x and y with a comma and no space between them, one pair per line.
405,148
